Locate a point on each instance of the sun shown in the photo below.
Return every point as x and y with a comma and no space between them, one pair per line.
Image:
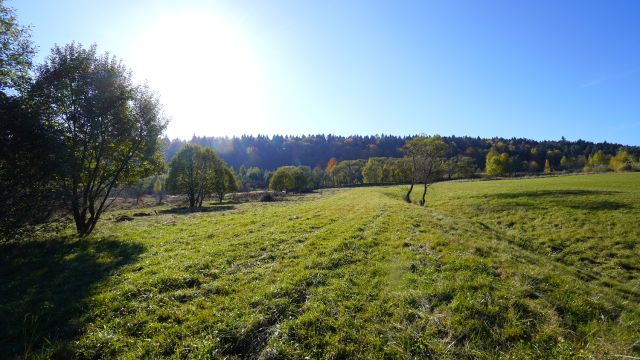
206,72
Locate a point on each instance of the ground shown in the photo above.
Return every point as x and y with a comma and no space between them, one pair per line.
533,268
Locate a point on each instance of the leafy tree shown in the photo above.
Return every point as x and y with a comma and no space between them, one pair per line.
372,171
427,155
292,178
599,161
109,127
319,177
547,167
16,52
497,163
30,156
282,180
622,161
348,172
30,151
158,189
226,181
198,172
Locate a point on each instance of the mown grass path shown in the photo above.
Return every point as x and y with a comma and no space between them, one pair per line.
525,268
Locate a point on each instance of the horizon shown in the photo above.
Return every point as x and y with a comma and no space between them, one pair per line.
512,70
270,136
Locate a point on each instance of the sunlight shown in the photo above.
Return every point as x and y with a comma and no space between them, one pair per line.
207,72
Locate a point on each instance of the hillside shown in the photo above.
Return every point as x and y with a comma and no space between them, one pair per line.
538,268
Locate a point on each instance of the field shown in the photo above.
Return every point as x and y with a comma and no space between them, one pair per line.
534,268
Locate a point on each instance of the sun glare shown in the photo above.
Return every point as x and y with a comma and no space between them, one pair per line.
206,72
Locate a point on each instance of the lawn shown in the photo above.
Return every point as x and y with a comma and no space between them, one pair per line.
535,268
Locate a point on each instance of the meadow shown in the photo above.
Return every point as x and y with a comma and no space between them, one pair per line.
531,268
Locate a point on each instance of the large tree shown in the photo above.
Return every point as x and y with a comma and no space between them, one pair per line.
427,155
110,128
29,147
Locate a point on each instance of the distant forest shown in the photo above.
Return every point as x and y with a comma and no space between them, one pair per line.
269,153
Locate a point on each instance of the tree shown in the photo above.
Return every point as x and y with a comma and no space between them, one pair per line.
547,167
226,181
373,170
196,172
30,151
427,156
110,128
292,178
599,161
158,189
16,52
496,163
282,180
30,157
622,161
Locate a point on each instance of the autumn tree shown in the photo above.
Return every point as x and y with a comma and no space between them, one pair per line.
427,155
158,189
622,161
497,163
110,128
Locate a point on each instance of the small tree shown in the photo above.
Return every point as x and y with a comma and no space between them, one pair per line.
427,156
496,163
194,171
226,183
158,189
282,180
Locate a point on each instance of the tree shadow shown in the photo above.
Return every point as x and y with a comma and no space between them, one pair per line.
44,287
549,194
187,210
573,199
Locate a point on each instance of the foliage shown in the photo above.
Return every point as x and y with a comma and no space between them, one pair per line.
198,172
16,52
622,161
386,170
269,153
599,162
292,178
30,156
347,172
497,164
109,127
158,188
427,156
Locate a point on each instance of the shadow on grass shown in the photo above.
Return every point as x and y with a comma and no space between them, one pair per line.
44,287
574,199
187,210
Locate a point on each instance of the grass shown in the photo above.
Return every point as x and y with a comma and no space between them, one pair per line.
534,268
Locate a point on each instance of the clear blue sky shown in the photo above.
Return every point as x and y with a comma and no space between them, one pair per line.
536,69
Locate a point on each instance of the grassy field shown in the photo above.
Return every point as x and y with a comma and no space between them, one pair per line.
532,268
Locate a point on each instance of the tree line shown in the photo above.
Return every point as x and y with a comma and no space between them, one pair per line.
269,153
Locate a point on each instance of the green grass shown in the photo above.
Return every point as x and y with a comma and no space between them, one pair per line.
533,268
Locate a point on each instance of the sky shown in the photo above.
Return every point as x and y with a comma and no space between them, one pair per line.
534,69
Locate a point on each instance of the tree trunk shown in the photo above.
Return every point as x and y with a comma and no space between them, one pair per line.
424,194
407,197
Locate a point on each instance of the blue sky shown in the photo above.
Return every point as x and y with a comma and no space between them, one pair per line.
536,69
